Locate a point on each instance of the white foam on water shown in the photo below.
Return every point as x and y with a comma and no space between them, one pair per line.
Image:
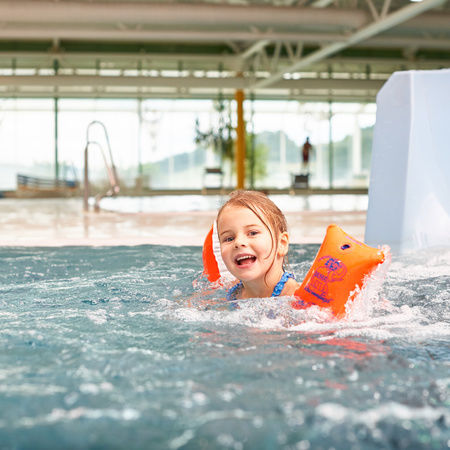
8,315
369,314
365,300
389,411
30,389
99,316
421,265
68,415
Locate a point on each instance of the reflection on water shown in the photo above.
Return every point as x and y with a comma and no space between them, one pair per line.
287,203
101,350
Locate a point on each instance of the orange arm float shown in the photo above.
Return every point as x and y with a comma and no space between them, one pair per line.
341,265
213,266
210,266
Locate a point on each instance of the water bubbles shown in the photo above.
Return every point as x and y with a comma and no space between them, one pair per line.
95,389
354,376
333,412
303,445
258,422
181,440
226,395
170,414
99,316
199,398
130,414
227,440
71,399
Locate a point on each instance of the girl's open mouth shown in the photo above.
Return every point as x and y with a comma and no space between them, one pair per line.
245,260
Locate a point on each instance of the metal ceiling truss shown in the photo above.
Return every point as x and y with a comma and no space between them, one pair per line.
319,50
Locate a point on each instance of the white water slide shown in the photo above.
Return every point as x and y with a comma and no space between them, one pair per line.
409,192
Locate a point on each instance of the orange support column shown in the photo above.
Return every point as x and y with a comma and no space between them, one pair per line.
240,140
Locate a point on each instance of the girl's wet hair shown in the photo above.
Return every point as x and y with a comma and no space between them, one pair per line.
264,208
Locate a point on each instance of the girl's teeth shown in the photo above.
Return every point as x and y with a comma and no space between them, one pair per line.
243,258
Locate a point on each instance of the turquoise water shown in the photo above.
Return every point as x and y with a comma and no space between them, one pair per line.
99,350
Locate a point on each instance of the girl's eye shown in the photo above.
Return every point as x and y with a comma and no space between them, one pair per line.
228,239
253,233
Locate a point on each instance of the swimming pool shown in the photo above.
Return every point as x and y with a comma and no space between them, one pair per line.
99,350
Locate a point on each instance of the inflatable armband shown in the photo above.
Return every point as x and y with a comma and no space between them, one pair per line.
341,265
213,266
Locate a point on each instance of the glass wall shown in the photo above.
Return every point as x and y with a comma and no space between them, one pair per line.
26,140
352,131
170,156
167,144
76,125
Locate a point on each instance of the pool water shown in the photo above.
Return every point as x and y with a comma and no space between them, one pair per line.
100,350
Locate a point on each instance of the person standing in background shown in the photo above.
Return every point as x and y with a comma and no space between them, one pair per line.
306,150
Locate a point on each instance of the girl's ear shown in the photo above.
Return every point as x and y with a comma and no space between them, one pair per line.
283,244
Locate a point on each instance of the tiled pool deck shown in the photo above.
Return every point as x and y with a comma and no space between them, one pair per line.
180,220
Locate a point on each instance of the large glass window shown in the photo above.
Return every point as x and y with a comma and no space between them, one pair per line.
167,144
119,118
340,135
170,156
352,130
26,140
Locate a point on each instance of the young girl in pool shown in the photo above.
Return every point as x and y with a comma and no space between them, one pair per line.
254,243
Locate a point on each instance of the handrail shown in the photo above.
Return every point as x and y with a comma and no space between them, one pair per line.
44,183
110,168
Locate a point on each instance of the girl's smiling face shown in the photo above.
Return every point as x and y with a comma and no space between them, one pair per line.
247,247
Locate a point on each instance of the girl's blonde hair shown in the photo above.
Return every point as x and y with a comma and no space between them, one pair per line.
264,208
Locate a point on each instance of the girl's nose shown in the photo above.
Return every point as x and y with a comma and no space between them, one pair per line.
239,241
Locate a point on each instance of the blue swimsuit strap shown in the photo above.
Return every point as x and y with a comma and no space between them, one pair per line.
232,292
280,285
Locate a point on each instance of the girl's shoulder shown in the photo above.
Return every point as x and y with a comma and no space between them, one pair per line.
290,287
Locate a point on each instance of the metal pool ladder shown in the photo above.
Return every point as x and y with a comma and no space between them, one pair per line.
110,168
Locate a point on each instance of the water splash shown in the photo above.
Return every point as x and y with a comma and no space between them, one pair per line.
370,312
365,300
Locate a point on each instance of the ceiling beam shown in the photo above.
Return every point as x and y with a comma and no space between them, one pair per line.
69,81
364,33
199,65
261,39
255,48
180,14
86,33
127,14
188,82
335,96
133,59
